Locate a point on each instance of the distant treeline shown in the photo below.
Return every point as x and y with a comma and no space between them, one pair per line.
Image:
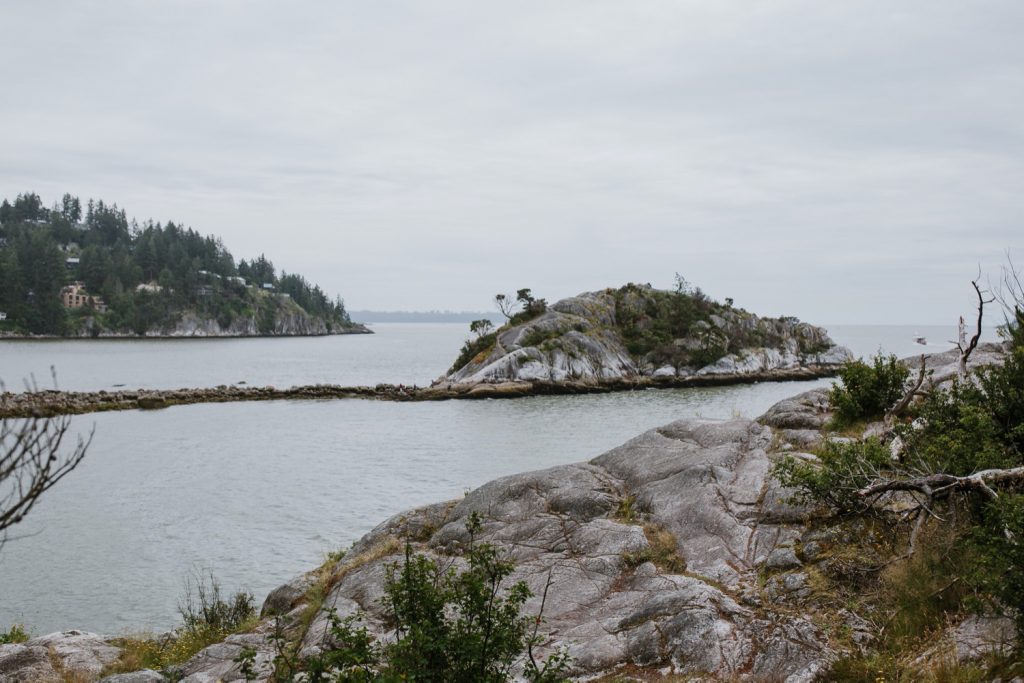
422,316
43,250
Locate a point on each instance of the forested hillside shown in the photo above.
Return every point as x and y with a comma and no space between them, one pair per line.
139,278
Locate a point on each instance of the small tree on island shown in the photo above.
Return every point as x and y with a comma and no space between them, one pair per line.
505,304
481,327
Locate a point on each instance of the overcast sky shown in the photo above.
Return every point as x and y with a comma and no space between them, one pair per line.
839,161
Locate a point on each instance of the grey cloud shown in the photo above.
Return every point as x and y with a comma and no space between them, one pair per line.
819,159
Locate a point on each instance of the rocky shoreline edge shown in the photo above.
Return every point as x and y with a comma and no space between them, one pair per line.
14,336
50,403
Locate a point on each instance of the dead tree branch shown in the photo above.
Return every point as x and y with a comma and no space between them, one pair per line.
933,486
32,462
967,347
1009,293
902,404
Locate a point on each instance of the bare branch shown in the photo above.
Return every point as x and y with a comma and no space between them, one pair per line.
32,461
967,347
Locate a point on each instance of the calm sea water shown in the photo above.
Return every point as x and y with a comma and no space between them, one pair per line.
257,492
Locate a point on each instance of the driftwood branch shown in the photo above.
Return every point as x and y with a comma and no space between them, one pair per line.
934,485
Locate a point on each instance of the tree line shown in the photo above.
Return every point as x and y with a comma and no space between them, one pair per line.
38,248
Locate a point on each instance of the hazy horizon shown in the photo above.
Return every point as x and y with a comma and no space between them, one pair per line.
848,160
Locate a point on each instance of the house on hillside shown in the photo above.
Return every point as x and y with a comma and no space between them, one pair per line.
150,287
75,296
3,316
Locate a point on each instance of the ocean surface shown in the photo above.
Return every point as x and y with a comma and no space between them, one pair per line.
259,492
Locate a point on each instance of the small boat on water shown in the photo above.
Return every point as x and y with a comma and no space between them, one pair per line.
921,340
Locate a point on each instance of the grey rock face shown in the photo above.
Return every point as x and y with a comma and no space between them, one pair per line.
974,639
806,411
576,341
144,676
283,598
217,662
20,663
43,659
705,482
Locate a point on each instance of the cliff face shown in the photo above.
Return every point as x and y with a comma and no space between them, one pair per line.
642,332
289,321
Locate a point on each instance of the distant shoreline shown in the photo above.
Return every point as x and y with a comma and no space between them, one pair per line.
422,316
11,336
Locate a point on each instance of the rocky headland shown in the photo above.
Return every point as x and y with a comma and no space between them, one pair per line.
638,333
290,321
676,553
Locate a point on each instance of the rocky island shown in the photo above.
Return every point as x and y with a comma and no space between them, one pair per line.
639,335
678,554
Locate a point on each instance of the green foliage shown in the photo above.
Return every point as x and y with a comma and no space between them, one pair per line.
537,336
473,348
868,391
841,469
651,321
116,256
207,618
963,433
203,608
972,554
15,634
449,626
997,545
481,327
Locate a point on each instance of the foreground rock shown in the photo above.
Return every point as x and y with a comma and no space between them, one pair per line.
615,335
703,482
56,657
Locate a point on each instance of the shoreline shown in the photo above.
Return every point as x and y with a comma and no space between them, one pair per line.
53,402
7,336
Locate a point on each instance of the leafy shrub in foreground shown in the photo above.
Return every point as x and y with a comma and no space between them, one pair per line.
868,391
449,626
842,468
15,634
972,427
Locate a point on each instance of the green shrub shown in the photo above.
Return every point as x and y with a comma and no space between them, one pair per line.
536,337
842,468
868,391
449,626
972,426
15,634
473,348
207,618
996,543
203,608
